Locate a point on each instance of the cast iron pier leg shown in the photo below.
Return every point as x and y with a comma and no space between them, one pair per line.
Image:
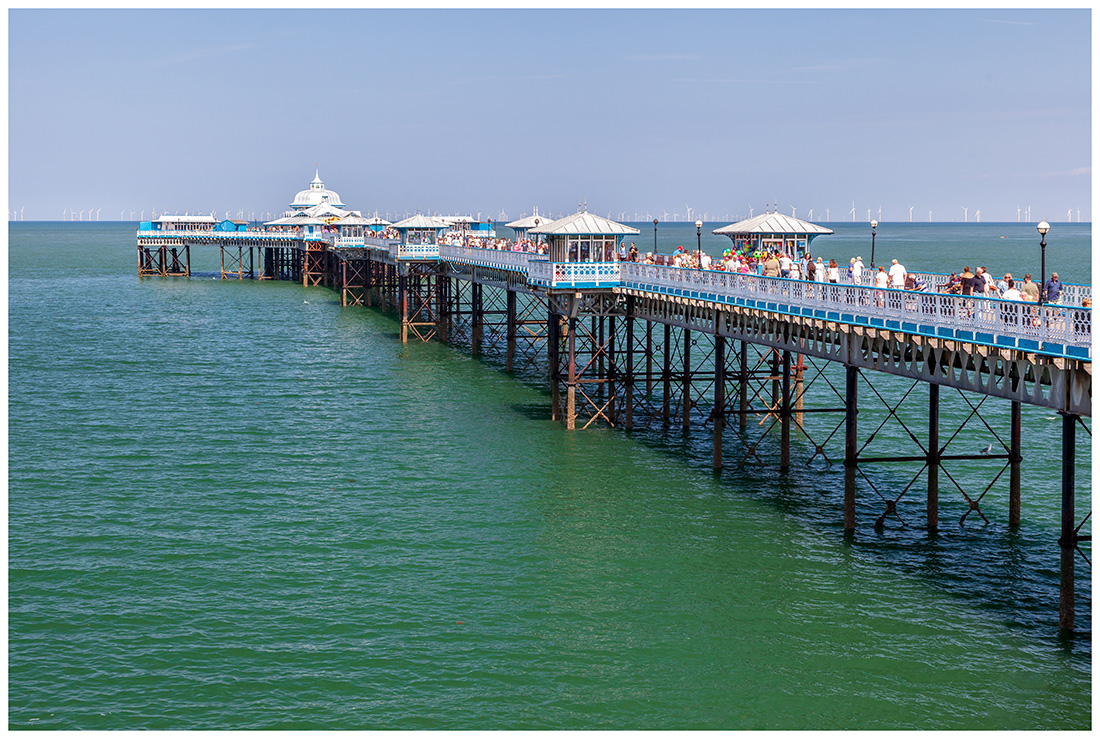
1066,542
851,447
933,506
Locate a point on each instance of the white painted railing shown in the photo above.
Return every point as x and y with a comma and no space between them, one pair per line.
984,320
496,258
224,235
573,274
413,251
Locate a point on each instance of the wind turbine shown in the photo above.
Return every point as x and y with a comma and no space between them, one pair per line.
1029,214
1069,216
97,213
978,215
81,214
826,215
1017,214
910,213
811,215
793,209
868,215
689,210
750,211
965,210
880,213
853,211
21,212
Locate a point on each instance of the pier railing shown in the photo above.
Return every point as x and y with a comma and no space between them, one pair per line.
1053,329
221,235
413,251
545,273
516,261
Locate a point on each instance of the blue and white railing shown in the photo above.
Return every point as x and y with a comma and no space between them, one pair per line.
544,273
221,235
514,261
1049,329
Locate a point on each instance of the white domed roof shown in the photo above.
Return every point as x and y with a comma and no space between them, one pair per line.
316,195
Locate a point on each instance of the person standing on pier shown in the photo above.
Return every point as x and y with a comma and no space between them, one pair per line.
1031,289
857,270
1053,289
897,275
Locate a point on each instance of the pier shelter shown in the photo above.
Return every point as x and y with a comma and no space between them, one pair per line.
773,232
523,225
418,236
583,237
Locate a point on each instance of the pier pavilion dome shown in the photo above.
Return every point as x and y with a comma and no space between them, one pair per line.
316,194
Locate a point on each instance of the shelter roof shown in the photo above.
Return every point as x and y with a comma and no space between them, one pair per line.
529,221
583,223
421,221
772,223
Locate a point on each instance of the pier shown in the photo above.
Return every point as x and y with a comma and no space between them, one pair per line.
626,345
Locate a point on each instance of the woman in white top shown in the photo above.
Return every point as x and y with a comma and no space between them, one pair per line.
819,270
881,278
834,271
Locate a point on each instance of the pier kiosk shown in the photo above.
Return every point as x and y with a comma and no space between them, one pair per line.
579,276
524,225
773,232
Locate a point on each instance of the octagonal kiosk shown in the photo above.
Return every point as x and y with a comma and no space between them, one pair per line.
524,225
418,238
772,232
582,252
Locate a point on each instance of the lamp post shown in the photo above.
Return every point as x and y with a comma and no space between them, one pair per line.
654,236
1043,228
699,244
536,235
874,225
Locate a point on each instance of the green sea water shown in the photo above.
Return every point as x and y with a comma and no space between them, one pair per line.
237,505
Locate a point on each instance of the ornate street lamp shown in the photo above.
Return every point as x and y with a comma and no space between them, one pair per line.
1043,228
699,243
874,225
654,236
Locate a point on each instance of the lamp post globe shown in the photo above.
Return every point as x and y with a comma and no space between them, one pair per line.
699,243
874,225
536,235
654,236
1043,228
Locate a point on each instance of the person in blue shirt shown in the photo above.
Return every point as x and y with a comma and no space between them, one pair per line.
1053,289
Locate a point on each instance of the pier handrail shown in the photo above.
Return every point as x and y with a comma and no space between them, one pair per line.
225,235
1014,324
495,258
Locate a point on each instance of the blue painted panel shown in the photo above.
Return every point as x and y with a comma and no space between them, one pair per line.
1080,352
947,333
910,327
1028,345
983,338
878,322
1004,341
832,316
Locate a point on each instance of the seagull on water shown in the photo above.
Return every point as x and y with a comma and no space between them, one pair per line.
987,450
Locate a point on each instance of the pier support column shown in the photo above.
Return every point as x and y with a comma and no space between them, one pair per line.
743,389
571,384
666,375
932,508
785,415
1014,459
687,379
477,318
1067,541
403,307
510,318
719,413
441,308
612,374
851,447
628,410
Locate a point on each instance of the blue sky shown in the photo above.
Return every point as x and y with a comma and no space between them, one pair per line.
635,111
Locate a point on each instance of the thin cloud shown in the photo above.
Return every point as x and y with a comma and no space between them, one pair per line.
1007,23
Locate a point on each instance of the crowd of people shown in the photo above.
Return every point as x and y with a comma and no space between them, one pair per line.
981,283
